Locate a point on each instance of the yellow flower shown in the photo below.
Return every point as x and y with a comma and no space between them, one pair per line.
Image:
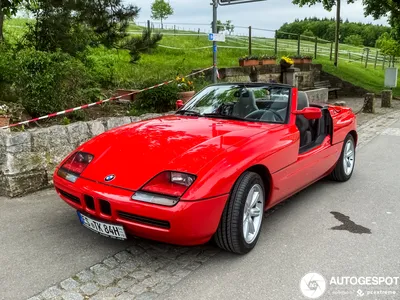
178,78
183,79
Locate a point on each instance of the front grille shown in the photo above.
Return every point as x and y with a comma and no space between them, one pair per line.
73,198
144,220
89,202
105,207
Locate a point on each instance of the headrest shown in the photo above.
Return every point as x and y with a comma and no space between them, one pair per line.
302,101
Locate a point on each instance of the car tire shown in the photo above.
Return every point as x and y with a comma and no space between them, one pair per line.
243,213
345,166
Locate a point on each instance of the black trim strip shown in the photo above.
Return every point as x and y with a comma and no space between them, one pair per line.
144,220
70,197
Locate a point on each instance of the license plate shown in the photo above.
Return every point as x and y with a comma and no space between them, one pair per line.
108,230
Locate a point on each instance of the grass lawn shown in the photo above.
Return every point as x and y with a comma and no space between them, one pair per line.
165,63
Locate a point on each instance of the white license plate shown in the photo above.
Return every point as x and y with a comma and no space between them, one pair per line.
109,230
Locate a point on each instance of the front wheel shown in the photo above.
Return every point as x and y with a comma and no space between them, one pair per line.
242,219
345,166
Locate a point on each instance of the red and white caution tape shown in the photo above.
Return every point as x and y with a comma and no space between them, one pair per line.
97,103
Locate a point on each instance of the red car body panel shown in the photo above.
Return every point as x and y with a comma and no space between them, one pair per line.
216,151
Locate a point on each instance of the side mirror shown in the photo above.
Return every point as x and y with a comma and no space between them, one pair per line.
310,113
179,104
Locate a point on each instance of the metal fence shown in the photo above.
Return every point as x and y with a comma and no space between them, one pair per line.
254,40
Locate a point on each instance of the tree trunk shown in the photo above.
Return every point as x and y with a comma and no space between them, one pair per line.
162,26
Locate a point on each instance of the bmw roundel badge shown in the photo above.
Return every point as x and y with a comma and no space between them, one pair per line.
109,178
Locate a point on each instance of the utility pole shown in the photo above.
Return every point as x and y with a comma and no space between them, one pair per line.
215,30
337,33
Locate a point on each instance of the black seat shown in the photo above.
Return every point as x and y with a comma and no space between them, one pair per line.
245,105
302,123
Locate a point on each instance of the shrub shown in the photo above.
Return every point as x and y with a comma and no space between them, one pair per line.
7,69
158,100
49,82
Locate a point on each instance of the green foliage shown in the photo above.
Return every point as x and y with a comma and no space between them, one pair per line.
109,19
229,27
142,44
49,82
8,8
388,45
7,69
328,4
383,8
74,25
355,40
161,99
65,121
309,33
325,29
160,10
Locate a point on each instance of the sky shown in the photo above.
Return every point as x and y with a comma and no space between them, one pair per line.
270,14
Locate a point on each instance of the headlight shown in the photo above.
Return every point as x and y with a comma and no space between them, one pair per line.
165,188
74,166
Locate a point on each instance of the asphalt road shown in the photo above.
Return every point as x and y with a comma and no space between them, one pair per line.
42,242
297,238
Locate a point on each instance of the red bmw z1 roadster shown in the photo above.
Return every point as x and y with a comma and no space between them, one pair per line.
209,171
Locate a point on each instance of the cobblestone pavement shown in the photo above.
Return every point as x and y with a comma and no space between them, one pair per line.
148,269
142,271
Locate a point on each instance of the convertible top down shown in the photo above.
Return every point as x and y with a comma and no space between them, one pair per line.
209,171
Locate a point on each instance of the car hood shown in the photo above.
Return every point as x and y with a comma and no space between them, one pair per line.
137,152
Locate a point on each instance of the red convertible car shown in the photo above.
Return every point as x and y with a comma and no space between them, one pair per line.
209,171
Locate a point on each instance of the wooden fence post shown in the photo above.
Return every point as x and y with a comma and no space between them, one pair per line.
376,58
366,60
249,40
331,56
316,48
298,44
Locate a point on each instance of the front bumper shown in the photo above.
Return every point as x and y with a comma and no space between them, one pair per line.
187,223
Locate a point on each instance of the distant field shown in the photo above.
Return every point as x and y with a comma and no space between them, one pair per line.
181,51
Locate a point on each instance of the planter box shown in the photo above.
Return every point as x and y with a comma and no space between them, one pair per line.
268,62
297,61
121,92
4,121
248,63
307,61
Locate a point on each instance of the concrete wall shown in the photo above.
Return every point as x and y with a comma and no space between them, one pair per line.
318,95
28,158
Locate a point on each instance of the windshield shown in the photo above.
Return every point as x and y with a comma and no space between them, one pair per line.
266,103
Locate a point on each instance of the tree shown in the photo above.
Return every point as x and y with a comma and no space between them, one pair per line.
8,8
328,4
355,40
229,27
388,45
72,25
160,10
309,33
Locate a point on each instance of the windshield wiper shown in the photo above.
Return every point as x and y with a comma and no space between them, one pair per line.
224,117
189,112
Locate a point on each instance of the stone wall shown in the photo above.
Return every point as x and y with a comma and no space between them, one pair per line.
307,75
28,158
346,88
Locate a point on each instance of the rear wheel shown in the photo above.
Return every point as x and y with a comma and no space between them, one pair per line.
345,166
242,219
